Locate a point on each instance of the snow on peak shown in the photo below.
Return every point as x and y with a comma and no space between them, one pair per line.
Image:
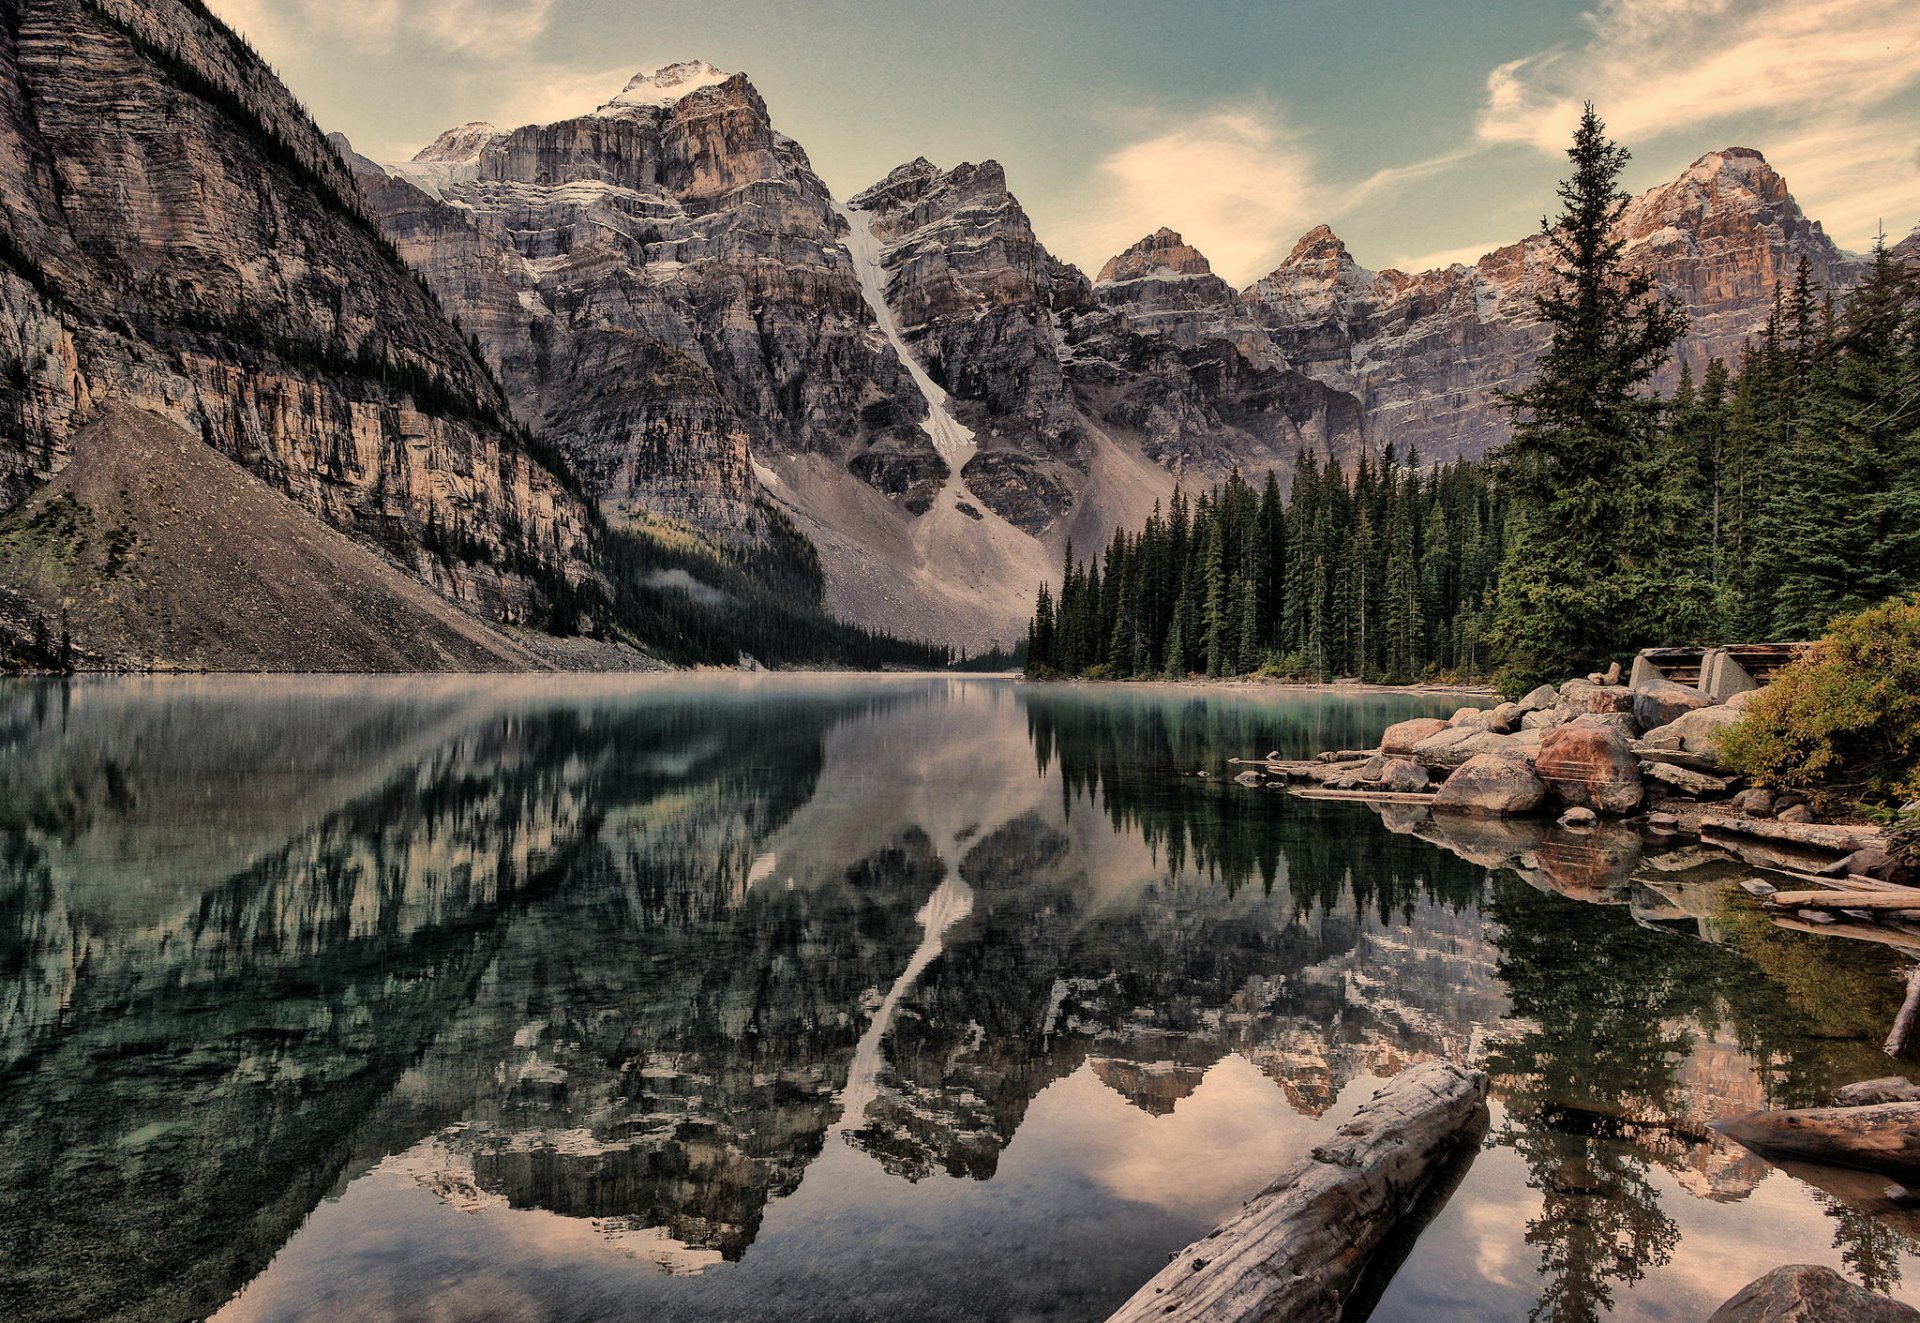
462,144
666,85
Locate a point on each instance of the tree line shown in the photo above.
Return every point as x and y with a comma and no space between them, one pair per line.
1755,503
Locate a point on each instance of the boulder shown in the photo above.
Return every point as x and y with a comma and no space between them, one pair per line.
1402,738
1469,716
1871,1093
1491,785
1403,776
1452,747
1755,803
1796,813
1595,865
1697,733
1591,765
1743,700
1553,716
1540,699
1625,722
1661,702
1506,718
1804,1293
1579,817
1583,696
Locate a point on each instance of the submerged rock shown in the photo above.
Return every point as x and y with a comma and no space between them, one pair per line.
1805,1293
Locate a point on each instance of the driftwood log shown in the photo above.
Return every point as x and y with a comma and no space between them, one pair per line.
1884,1138
1906,898
1903,1025
1821,835
1298,1248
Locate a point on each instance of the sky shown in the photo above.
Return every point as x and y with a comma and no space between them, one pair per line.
1423,131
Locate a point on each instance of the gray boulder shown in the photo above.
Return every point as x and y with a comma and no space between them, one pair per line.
1804,1293
1492,786
1403,737
1698,733
1661,702
1403,776
1540,700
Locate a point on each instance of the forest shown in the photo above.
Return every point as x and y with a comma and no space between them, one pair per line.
1756,502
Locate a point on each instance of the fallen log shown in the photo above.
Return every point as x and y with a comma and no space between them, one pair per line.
1884,1138
1298,1248
1903,1023
1822,835
1686,780
1906,899
1373,796
1897,938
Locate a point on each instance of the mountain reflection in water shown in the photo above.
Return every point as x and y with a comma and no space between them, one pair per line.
808,999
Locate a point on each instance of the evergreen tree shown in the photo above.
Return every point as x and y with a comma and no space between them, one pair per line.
1580,580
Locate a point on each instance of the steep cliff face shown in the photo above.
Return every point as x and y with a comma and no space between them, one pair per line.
179,238
1426,352
663,288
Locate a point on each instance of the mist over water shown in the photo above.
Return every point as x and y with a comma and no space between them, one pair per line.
714,998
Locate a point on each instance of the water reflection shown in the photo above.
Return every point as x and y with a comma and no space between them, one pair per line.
836,999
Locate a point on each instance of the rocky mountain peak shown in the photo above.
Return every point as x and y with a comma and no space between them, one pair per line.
1163,254
459,145
1319,245
658,88
903,186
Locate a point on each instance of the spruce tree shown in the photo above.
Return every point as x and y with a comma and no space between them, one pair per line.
1580,581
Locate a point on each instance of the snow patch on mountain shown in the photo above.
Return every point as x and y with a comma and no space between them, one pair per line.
664,86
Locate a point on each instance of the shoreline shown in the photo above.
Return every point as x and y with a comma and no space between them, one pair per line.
1250,682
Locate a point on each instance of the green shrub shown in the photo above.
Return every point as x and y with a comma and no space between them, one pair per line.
1844,720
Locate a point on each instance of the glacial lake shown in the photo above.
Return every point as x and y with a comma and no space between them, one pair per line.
843,998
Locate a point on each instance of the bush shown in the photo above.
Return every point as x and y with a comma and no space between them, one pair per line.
1844,720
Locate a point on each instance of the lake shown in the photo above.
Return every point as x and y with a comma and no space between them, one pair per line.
843,998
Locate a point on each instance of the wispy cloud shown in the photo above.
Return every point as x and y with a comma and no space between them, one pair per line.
468,27
1816,75
1237,181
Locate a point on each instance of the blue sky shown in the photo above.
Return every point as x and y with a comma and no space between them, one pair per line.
1421,130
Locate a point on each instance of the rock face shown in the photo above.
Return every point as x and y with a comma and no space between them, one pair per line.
1493,785
667,289
1590,764
1425,351
1806,1293
182,240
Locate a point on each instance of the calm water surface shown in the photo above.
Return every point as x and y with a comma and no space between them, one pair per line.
823,999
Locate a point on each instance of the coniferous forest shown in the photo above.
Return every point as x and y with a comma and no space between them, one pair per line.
1755,503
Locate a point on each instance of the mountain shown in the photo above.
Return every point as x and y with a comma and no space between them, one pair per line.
185,261
1425,352
670,292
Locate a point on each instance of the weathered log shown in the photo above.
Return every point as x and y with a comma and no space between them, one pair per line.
1867,1093
1687,780
1903,1024
1884,1138
1897,938
1374,796
1906,898
1822,835
1297,1249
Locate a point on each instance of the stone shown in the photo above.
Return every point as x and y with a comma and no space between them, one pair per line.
1540,699
1796,813
1491,785
1453,747
1804,1293
1663,822
1403,737
1685,779
1505,719
1584,697
1403,776
1612,675
1373,769
1591,765
1661,702
1251,779
1625,722
1469,718
1579,817
1743,700
1538,720
1754,803
1697,733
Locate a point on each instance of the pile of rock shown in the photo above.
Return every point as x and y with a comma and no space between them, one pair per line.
1591,747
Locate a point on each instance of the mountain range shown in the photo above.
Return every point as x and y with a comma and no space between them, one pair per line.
456,373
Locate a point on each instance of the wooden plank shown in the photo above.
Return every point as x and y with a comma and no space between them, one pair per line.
1879,933
1299,1246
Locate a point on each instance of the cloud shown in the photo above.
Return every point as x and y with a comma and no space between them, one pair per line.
469,27
1237,181
1814,76
1466,254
